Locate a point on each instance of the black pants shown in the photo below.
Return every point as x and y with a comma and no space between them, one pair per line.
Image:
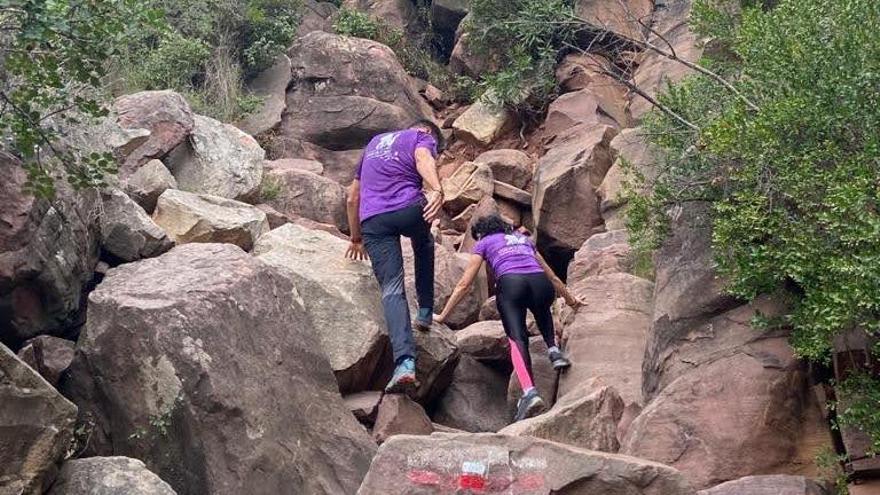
518,293
382,239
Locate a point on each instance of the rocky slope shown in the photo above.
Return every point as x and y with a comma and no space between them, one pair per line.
224,345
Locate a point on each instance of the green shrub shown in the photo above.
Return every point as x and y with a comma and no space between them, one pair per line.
790,165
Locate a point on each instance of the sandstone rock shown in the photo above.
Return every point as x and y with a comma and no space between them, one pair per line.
578,108
655,72
446,15
48,252
485,341
398,415
36,426
521,465
509,166
108,476
486,207
510,211
517,196
544,377
489,310
467,61
271,86
710,422
467,185
364,406
449,266
316,16
127,232
620,17
165,115
864,487
276,218
634,157
188,217
483,122
602,254
341,299
588,70
565,204
343,92
312,166
436,360
779,484
586,419
305,194
399,14
201,363
220,160
606,339
148,182
324,227
476,400
49,356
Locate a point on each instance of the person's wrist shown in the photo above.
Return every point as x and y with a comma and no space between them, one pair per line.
357,239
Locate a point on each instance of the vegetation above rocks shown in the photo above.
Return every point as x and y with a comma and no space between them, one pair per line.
786,155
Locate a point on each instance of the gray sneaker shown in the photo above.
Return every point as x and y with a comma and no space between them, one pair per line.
559,361
424,319
529,405
404,379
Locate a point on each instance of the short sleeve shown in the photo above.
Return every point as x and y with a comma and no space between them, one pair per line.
427,141
480,248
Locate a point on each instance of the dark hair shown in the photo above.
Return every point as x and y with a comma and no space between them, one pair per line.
488,225
435,131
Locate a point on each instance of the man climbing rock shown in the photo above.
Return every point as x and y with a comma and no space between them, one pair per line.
397,192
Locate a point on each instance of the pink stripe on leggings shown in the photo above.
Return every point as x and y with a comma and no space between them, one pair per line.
519,366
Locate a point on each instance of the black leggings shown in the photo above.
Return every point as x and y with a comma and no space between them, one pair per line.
518,293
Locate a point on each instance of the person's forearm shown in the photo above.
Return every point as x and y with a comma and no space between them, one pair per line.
457,295
354,221
426,165
557,283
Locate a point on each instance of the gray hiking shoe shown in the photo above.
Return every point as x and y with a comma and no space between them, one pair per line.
559,361
529,405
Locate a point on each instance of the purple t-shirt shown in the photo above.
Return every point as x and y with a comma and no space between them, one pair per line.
508,254
388,174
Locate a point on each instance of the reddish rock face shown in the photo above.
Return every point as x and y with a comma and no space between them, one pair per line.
476,400
165,114
49,356
602,254
451,463
398,415
301,193
343,92
778,484
108,475
201,363
618,17
565,203
509,166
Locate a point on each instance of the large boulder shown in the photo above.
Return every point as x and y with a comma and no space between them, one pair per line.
712,420
446,15
48,252
448,463
436,360
188,217
476,400
343,92
148,182
486,342
635,163
364,405
202,363
470,183
271,86
301,193
778,484
483,122
606,339
49,356
220,160
399,415
449,266
468,61
586,419
165,119
625,18
402,15
341,299
36,426
580,108
108,476
316,16
602,254
127,232
565,203
509,166
655,72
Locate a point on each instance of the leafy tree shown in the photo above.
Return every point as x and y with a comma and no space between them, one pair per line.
788,155
52,61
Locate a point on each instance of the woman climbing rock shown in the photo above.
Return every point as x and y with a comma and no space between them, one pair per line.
524,282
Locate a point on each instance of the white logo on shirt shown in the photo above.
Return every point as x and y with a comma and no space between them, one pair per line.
515,240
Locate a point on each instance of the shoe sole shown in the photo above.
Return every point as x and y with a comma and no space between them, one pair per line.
560,367
406,386
422,326
535,408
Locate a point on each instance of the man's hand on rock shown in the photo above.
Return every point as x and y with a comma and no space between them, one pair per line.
435,202
356,251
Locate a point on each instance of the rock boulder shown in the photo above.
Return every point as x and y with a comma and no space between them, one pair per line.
108,476
148,182
476,400
165,118
49,356
300,193
201,363
778,484
127,232
398,415
509,166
